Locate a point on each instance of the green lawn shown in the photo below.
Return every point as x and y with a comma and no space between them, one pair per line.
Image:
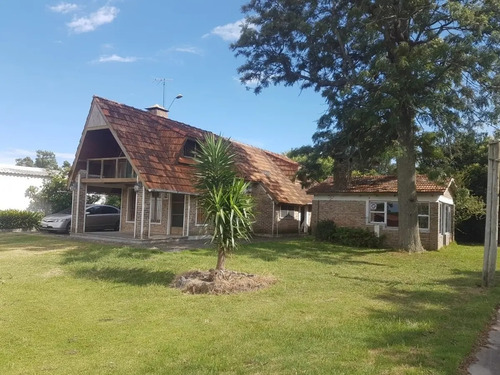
69,307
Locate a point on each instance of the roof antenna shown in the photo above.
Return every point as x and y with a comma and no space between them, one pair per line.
162,81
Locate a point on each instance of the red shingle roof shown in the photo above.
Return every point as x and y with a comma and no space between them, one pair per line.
376,184
154,145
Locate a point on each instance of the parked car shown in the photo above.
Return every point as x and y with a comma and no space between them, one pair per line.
97,217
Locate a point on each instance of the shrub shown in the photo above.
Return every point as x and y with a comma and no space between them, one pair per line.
327,230
358,237
16,219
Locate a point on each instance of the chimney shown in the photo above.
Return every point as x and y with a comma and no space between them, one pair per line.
341,172
158,110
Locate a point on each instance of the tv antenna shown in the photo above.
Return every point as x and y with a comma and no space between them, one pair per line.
163,82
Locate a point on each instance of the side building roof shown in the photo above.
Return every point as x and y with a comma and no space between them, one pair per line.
15,170
377,185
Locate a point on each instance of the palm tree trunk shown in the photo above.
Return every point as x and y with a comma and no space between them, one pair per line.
221,259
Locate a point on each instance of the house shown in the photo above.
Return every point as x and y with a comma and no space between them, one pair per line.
15,180
147,158
371,202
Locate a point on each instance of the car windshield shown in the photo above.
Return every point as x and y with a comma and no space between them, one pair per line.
65,211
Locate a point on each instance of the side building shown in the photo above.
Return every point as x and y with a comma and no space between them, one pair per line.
371,202
15,180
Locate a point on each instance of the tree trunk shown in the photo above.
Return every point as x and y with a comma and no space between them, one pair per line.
221,260
409,235
341,172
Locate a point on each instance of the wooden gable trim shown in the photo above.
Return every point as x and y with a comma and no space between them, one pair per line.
97,120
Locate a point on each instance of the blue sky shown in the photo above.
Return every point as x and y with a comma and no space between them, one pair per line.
56,55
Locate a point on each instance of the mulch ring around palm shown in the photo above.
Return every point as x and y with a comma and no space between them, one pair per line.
220,282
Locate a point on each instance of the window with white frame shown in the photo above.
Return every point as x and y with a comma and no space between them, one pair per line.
131,197
200,214
377,212
423,216
446,218
156,207
287,210
392,214
388,213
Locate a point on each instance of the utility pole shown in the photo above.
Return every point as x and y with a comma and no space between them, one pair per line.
491,229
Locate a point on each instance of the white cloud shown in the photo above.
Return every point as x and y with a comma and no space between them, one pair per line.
64,156
115,58
229,32
103,16
192,50
251,83
64,8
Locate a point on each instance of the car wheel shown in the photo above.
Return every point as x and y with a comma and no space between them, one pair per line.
68,227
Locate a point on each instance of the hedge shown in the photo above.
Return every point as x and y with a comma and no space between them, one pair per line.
327,230
16,219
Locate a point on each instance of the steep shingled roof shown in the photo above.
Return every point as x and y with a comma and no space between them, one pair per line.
377,185
154,146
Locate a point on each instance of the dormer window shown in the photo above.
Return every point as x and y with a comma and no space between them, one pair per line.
190,148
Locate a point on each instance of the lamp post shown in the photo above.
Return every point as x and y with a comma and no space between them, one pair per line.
177,97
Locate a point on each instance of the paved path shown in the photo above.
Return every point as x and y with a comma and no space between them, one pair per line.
488,357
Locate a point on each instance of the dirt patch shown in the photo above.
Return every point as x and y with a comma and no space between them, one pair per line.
220,282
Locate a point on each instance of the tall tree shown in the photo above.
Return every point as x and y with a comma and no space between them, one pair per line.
314,167
25,162
45,159
390,65
53,195
224,198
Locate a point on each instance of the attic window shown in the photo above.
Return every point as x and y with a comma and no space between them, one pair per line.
190,148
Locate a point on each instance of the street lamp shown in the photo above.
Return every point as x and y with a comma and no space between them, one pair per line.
177,97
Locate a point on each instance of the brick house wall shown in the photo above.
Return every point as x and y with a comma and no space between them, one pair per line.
78,204
160,229
196,229
263,210
354,214
125,226
266,211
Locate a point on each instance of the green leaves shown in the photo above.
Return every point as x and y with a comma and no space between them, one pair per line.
224,198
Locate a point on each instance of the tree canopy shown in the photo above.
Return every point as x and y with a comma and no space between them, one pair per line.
44,159
386,68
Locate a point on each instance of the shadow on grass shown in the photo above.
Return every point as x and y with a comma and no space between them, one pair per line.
322,252
132,276
101,262
429,325
92,253
32,242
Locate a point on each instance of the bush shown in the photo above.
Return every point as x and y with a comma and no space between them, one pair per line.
358,237
327,230
16,219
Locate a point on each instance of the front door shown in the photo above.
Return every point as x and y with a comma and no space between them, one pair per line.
177,215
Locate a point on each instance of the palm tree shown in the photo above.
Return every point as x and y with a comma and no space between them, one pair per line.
224,198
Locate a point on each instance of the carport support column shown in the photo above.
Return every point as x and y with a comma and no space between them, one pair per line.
78,204
141,214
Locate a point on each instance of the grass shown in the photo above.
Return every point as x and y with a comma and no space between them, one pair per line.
69,307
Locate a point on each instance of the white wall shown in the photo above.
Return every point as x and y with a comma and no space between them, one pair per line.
13,184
